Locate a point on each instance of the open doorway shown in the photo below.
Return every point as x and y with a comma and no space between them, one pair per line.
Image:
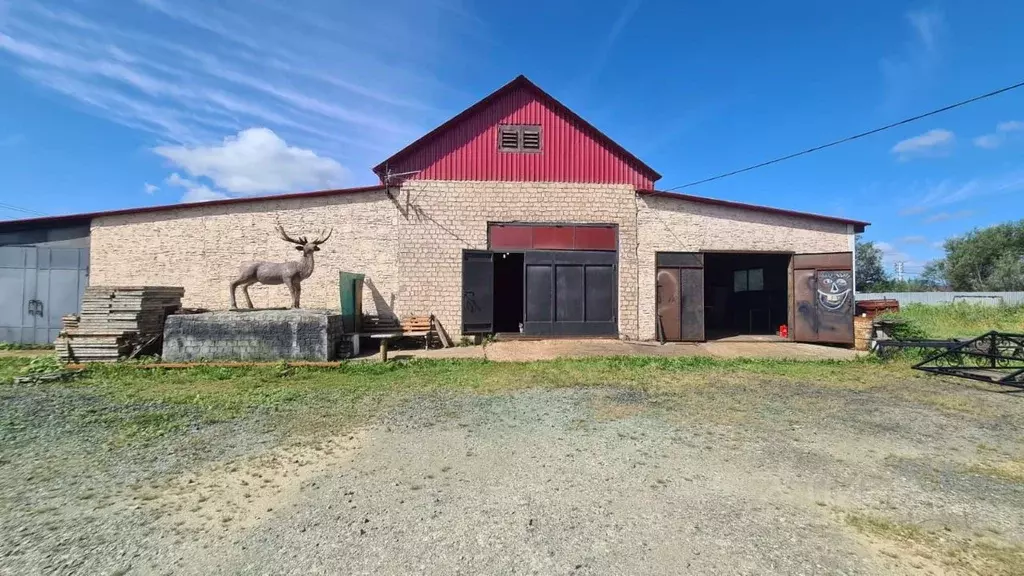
508,292
745,294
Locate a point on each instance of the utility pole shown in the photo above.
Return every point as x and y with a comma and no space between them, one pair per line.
899,271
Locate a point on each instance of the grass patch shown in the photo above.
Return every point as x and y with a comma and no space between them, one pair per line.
960,320
1009,470
982,556
20,346
137,402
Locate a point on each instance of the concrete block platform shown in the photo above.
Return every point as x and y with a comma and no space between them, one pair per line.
250,335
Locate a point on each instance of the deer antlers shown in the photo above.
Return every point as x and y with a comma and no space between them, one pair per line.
302,239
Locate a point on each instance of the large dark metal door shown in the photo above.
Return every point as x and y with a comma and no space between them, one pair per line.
691,284
477,292
571,293
669,309
38,286
823,298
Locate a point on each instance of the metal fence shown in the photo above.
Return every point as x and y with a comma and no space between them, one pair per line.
988,298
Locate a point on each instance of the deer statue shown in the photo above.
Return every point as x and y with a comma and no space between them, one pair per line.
271,273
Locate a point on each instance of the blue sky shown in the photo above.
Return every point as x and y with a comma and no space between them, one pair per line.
140,102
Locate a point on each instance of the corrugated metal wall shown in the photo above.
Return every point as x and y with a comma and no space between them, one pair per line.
469,151
990,298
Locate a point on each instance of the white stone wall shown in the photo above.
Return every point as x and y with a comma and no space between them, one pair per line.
440,219
201,248
673,225
410,245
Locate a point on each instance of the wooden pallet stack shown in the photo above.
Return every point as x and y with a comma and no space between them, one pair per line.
116,321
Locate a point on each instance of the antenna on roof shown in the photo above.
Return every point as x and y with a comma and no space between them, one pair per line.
388,175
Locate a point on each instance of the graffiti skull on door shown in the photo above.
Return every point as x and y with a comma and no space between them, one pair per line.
834,290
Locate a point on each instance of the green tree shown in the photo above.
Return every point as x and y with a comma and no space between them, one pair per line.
987,259
934,275
870,272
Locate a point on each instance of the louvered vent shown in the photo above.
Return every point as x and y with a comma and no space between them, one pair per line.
508,138
531,138
519,137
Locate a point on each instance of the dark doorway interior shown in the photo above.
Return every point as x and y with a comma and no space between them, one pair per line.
508,291
745,293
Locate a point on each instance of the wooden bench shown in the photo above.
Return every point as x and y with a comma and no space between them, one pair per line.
389,328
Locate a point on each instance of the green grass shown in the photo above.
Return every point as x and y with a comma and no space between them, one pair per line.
962,320
19,346
145,401
956,553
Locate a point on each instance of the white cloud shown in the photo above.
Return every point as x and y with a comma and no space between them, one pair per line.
931,143
912,67
257,161
947,216
989,141
150,188
891,254
194,191
913,240
1010,126
927,25
928,197
319,78
999,137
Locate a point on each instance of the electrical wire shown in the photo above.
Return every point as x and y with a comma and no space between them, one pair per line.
20,209
852,138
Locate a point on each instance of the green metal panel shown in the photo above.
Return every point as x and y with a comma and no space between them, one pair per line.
350,287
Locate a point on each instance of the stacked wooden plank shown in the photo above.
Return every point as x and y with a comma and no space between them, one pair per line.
115,321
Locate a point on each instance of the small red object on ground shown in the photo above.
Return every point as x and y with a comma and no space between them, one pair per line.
784,331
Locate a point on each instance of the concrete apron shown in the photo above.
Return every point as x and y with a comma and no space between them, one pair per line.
533,350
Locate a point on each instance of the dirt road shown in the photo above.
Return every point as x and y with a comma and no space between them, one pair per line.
752,477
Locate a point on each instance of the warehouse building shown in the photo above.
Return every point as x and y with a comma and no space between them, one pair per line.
514,216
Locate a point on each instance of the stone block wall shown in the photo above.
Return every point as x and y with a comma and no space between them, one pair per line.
409,243
201,248
675,225
440,219
258,335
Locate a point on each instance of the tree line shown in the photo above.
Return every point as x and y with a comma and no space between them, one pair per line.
983,260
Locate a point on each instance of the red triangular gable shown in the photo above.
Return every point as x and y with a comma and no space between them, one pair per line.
466,147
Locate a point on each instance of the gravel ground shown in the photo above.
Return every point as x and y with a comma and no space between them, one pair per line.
753,478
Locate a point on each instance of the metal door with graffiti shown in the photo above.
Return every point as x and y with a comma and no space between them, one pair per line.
823,298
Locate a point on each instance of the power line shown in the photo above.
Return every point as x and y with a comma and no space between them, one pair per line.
852,138
20,209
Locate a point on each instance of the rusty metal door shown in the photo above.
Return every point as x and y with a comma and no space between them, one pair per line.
823,300
805,321
669,307
834,304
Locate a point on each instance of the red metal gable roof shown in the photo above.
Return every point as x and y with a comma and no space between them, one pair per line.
465,147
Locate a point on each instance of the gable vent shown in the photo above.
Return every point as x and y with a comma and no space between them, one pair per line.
519,137
531,138
508,138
